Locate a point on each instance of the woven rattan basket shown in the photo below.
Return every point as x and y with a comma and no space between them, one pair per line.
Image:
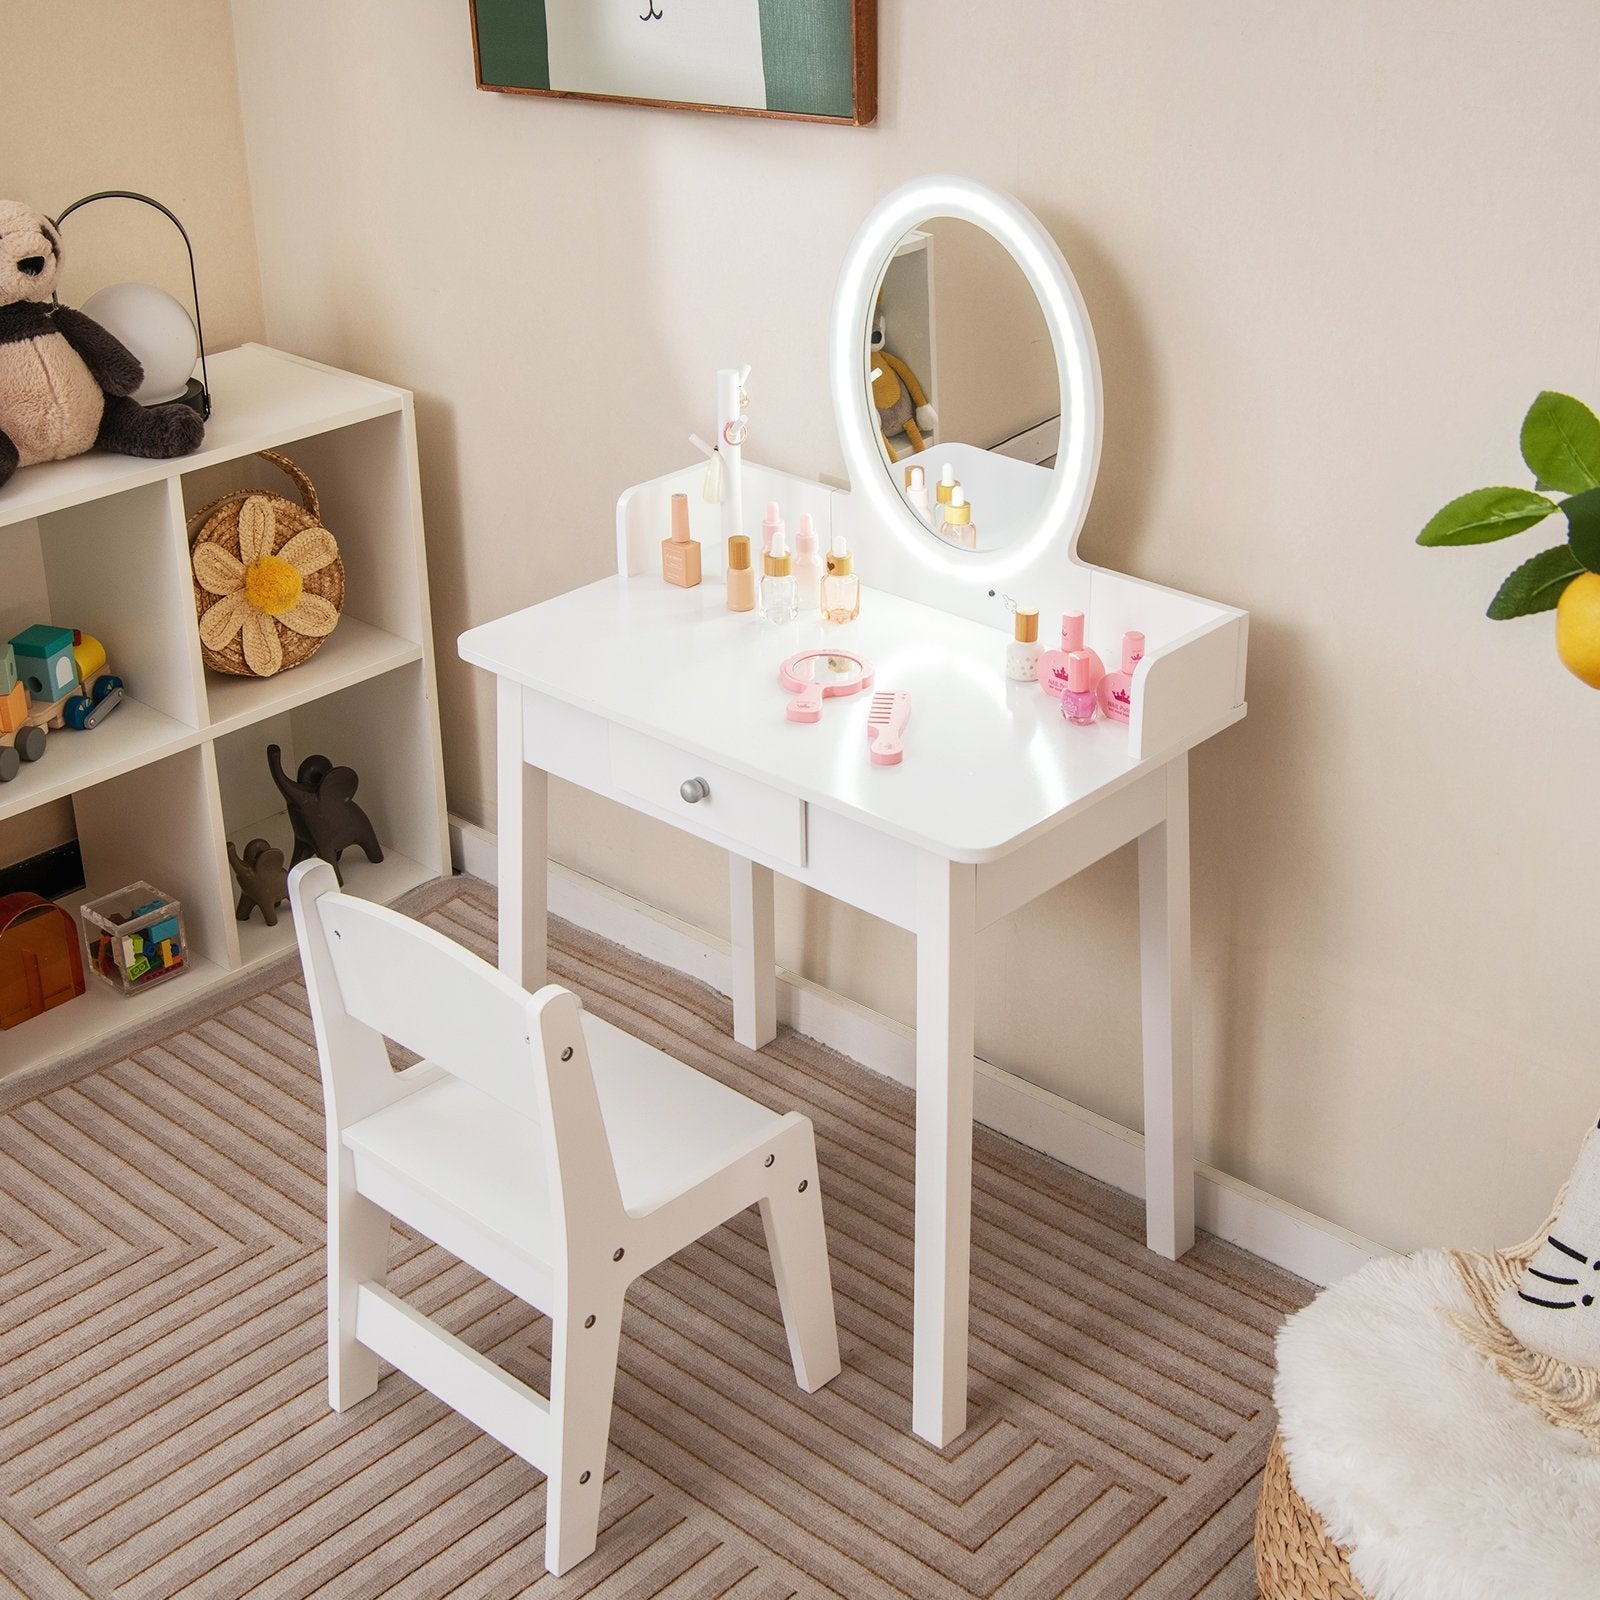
279,520
1295,1559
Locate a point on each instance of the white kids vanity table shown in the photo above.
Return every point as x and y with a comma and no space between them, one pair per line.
659,697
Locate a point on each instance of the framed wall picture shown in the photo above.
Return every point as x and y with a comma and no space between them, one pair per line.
814,60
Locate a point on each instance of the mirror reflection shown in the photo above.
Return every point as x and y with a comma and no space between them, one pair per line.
962,379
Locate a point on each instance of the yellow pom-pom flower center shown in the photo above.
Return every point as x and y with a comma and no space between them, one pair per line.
272,585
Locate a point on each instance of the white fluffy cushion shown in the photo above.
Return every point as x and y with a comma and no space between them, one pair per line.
1418,1457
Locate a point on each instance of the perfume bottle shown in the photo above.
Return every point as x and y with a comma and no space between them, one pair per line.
841,588
807,568
777,582
741,576
1116,688
958,526
1078,699
917,493
1022,654
680,555
1053,663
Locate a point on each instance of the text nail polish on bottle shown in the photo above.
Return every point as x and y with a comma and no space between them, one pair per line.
741,576
777,582
1116,688
1053,663
680,555
1022,653
1078,698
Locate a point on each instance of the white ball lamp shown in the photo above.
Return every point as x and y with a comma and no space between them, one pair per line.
153,325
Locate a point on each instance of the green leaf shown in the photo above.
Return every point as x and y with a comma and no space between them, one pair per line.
1486,515
1583,527
1561,443
1536,585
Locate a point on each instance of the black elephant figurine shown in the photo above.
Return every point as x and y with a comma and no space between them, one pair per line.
263,880
322,810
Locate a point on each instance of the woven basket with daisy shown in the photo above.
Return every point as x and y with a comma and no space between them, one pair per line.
268,581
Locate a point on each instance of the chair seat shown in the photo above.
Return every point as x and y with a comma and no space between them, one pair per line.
1417,1455
669,1127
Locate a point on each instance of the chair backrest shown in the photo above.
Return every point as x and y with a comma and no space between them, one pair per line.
373,974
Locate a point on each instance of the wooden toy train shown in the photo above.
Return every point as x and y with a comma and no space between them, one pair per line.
50,678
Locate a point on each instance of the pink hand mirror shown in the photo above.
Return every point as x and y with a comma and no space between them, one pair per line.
813,676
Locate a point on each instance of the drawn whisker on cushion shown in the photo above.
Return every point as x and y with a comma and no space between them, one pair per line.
1567,1282
1566,1249
1549,1305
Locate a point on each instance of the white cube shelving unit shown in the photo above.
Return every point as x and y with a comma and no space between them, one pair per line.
100,543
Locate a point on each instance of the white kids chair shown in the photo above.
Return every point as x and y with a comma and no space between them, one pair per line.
553,1152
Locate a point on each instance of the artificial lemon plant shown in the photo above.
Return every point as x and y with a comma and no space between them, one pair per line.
1561,445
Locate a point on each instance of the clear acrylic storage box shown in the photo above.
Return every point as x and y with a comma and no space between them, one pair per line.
134,937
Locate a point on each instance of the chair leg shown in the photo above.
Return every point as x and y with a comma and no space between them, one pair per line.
798,1245
358,1252
583,1376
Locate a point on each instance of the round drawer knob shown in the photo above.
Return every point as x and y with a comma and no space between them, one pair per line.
694,790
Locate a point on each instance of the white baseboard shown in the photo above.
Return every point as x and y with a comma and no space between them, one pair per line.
1250,1218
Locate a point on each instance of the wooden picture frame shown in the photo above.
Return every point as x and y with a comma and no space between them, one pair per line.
803,60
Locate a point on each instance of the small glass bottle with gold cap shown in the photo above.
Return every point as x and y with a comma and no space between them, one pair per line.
1022,654
777,581
958,526
841,588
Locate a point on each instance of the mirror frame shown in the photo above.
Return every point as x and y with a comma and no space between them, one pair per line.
1019,232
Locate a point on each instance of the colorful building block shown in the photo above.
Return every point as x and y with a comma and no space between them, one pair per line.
45,662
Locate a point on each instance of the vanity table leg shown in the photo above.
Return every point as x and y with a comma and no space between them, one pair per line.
1168,1024
755,981
946,935
523,829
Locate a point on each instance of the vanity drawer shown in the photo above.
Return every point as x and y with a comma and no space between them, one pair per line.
735,810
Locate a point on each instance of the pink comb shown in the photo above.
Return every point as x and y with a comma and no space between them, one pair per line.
886,721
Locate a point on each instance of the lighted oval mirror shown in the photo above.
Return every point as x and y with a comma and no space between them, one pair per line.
962,371
959,339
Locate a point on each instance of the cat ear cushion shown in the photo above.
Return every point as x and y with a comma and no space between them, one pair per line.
1553,1308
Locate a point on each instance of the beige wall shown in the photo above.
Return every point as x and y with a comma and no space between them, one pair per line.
1331,253
106,96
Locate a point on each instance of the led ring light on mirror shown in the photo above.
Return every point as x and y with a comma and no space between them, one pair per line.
1077,364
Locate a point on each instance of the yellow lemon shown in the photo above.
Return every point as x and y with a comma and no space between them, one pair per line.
1578,628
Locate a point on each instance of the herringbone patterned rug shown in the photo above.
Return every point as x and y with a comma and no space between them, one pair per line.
163,1421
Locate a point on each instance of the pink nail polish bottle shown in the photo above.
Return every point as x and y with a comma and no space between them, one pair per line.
1116,688
1053,663
1078,698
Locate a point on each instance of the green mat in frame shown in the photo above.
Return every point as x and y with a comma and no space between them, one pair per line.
814,60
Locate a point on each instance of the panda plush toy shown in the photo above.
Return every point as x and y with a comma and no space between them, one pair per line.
65,381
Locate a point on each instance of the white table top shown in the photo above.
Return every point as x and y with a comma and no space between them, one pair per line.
989,763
